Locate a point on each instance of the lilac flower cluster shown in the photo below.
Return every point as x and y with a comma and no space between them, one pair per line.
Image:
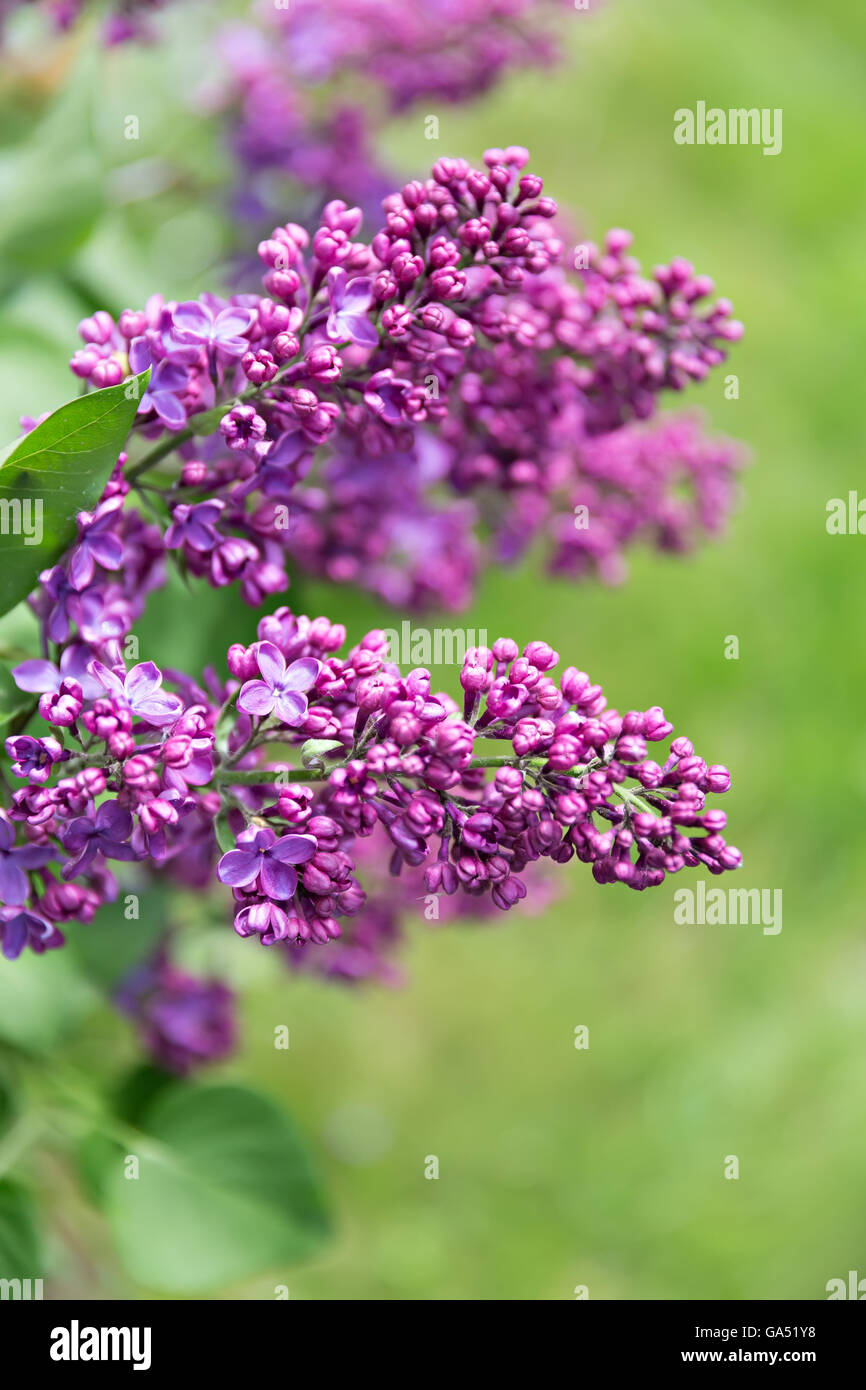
360,417
376,58
370,942
145,773
128,19
381,400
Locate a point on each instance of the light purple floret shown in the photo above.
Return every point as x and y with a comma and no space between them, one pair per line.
280,691
261,857
139,689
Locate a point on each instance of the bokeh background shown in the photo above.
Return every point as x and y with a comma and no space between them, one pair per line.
558,1167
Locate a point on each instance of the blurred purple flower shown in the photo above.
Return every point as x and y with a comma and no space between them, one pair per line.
105,833
184,1022
385,395
14,860
21,928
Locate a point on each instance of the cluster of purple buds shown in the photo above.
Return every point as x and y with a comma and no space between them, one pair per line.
576,781
378,752
370,942
450,371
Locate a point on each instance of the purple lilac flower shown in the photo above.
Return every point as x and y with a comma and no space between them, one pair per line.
488,351
194,322
261,858
98,544
195,526
168,382
350,301
44,677
15,861
281,689
574,781
183,1022
34,758
20,928
105,833
139,689
386,394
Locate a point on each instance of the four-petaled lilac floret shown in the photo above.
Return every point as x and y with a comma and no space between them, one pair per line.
350,300
105,833
167,383
34,758
15,862
281,688
195,526
264,860
194,322
98,543
139,690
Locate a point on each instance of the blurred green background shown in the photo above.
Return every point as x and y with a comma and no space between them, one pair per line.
561,1167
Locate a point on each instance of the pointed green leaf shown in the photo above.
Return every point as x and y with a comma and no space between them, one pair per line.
56,471
314,750
14,703
225,836
21,1255
226,1189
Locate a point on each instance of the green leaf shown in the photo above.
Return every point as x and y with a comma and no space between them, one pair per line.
225,836
225,1190
314,750
14,703
52,186
56,471
138,1089
21,1254
96,1156
42,998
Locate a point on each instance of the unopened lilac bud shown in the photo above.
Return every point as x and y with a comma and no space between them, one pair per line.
681,747
259,366
84,361
98,328
718,779
132,324
505,649
655,726
108,372
177,751
242,662
541,655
